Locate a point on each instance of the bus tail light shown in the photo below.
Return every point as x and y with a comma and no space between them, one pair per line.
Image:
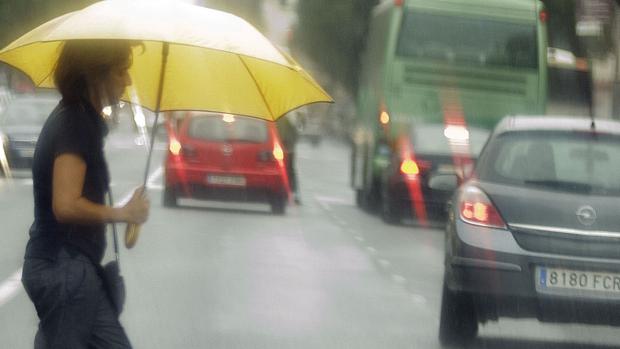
544,16
409,167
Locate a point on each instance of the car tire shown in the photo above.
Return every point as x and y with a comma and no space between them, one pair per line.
170,197
315,141
370,198
390,210
278,204
458,323
359,198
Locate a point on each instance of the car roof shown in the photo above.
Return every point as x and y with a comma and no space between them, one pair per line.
556,123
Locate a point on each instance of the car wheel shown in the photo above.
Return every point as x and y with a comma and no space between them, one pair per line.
315,140
390,210
372,198
170,197
278,204
458,322
359,198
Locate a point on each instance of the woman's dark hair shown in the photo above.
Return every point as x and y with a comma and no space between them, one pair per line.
83,62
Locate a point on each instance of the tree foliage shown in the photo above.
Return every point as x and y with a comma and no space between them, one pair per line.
250,10
333,35
20,16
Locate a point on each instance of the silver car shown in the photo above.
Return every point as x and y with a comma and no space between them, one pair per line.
20,124
535,232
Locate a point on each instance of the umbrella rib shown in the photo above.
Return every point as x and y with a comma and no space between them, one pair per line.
258,88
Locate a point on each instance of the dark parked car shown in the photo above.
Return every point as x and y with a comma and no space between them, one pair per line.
425,150
536,231
20,124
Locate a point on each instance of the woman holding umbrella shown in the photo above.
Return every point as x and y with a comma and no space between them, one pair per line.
226,66
70,176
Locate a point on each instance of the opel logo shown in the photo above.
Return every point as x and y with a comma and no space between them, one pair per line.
227,150
586,215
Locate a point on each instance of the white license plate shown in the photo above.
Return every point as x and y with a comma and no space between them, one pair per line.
561,280
237,181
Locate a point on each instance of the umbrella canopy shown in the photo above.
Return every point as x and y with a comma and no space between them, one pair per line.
215,61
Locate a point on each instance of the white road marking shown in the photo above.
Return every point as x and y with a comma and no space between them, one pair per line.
333,200
155,187
154,177
417,298
371,250
359,238
399,279
12,285
18,181
150,181
384,262
324,205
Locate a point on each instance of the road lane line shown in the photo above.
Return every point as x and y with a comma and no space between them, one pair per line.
399,279
418,298
150,181
324,205
154,176
334,200
10,287
359,238
384,262
371,249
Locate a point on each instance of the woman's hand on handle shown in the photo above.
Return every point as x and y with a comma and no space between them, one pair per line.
136,211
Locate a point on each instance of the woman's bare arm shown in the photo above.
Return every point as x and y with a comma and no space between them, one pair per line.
70,206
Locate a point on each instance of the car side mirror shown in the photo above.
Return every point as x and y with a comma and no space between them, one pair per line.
444,182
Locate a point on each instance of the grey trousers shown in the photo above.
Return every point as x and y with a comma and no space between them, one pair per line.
73,306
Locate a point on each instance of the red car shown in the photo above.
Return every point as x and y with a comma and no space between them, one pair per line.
226,157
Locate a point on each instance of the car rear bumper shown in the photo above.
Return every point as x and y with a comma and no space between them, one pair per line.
434,201
490,265
192,182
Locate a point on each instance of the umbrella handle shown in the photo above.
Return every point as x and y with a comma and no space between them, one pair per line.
131,234
133,230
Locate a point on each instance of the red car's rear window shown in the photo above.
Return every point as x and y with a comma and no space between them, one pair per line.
227,128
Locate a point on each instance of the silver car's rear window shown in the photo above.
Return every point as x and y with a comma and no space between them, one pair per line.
27,112
585,162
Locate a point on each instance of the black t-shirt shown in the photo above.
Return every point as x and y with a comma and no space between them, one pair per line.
78,129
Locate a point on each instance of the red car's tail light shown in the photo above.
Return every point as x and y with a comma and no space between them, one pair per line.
175,147
476,208
278,153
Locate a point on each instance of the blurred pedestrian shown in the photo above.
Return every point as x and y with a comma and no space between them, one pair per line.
288,137
62,272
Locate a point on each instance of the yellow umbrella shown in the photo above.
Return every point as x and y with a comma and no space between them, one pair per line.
193,58
215,61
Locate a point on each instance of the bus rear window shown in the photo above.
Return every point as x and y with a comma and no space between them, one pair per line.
471,41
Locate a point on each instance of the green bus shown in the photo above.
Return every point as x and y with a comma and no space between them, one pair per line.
487,56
